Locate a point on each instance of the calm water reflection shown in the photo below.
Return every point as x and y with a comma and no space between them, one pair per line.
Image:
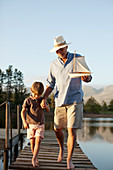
96,140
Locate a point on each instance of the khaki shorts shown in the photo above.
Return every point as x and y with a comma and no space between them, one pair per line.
35,130
69,116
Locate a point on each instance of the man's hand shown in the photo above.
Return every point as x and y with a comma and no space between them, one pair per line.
86,78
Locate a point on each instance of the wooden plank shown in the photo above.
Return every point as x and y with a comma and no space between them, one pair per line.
50,164
50,168
49,147
53,158
30,167
56,168
2,144
54,155
49,151
53,161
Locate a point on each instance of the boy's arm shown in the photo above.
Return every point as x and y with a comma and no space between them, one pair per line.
23,118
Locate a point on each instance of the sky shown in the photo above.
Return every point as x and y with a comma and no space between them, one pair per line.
28,28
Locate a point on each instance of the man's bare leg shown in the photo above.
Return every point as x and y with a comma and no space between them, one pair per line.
60,139
71,144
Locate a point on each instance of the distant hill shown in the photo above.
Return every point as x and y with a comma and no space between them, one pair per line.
103,94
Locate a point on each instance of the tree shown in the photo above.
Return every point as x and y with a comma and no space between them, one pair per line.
92,106
1,86
104,106
110,106
15,82
9,83
19,87
12,86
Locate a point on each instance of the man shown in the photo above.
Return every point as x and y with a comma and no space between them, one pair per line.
68,97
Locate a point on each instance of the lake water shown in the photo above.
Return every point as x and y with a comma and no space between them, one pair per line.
95,139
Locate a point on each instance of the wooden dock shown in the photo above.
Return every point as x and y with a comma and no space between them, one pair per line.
9,137
15,137
48,155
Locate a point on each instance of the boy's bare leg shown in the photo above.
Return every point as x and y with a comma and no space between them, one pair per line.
71,144
32,143
36,151
60,139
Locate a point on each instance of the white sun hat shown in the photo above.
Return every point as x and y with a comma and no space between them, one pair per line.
59,42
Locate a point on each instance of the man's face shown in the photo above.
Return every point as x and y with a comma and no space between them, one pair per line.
62,52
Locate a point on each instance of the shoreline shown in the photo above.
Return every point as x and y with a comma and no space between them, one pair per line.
100,115
87,115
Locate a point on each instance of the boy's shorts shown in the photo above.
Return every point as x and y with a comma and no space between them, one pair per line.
69,116
35,130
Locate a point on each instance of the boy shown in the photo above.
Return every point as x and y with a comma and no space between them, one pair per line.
34,123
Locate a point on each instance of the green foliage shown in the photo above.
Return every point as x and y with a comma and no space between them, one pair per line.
92,106
12,86
104,106
51,102
9,83
110,106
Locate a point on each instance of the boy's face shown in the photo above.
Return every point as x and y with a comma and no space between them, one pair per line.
35,96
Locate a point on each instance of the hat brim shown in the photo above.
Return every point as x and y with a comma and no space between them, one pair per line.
57,48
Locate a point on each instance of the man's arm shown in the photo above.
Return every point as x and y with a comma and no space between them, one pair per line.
47,108
47,92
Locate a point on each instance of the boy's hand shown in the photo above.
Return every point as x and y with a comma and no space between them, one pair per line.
26,125
43,104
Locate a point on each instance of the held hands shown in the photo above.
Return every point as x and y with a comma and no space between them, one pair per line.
43,104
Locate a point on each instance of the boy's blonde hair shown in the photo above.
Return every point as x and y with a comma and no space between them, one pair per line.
37,88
